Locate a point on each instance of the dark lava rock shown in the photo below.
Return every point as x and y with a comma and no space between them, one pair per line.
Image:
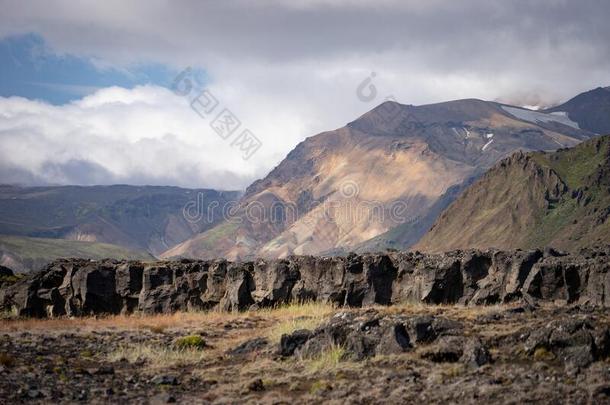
289,343
448,349
5,271
104,370
34,394
577,342
78,287
164,380
367,335
256,385
249,346
394,340
475,353
425,329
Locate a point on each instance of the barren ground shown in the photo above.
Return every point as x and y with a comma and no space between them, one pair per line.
144,359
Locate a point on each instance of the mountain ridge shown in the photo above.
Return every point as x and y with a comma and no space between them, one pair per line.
590,109
24,254
392,154
530,200
146,218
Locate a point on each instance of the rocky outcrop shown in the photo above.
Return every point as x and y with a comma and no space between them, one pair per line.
564,335
365,335
472,277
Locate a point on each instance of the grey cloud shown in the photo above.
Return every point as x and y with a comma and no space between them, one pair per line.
76,171
276,32
289,68
86,173
553,40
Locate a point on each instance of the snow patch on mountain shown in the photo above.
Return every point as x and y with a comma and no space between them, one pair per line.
539,117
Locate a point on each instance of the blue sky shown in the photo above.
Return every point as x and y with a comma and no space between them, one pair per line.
31,69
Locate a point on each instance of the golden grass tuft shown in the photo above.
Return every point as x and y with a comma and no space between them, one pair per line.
295,310
293,317
543,354
327,361
319,386
156,323
157,356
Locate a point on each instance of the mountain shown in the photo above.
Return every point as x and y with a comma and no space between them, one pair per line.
591,110
528,200
146,218
405,235
395,165
23,254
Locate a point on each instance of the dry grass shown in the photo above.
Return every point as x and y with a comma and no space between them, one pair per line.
157,356
298,316
543,354
155,323
296,310
158,323
327,361
287,327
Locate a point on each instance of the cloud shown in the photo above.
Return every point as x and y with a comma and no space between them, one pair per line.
554,47
146,135
288,70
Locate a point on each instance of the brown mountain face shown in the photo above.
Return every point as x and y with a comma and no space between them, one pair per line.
391,166
559,199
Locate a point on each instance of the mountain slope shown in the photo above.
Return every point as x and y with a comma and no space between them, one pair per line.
405,235
24,254
591,110
139,218
561,199
343,187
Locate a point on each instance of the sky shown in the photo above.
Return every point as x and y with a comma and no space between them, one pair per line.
215,94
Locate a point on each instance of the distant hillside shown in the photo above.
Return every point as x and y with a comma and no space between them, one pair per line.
561,199
591,110
23,254
142,218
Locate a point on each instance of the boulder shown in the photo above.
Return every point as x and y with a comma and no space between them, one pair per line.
291,342
5,271
576,342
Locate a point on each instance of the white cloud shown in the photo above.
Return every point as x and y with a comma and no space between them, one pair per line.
147,135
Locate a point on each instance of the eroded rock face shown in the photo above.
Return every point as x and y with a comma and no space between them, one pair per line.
82,287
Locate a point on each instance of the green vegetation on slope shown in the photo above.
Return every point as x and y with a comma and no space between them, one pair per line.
575,165
561,199
579,217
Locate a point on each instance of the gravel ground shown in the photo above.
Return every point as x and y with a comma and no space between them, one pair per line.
548,354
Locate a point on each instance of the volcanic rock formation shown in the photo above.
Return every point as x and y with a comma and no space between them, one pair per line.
471,277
